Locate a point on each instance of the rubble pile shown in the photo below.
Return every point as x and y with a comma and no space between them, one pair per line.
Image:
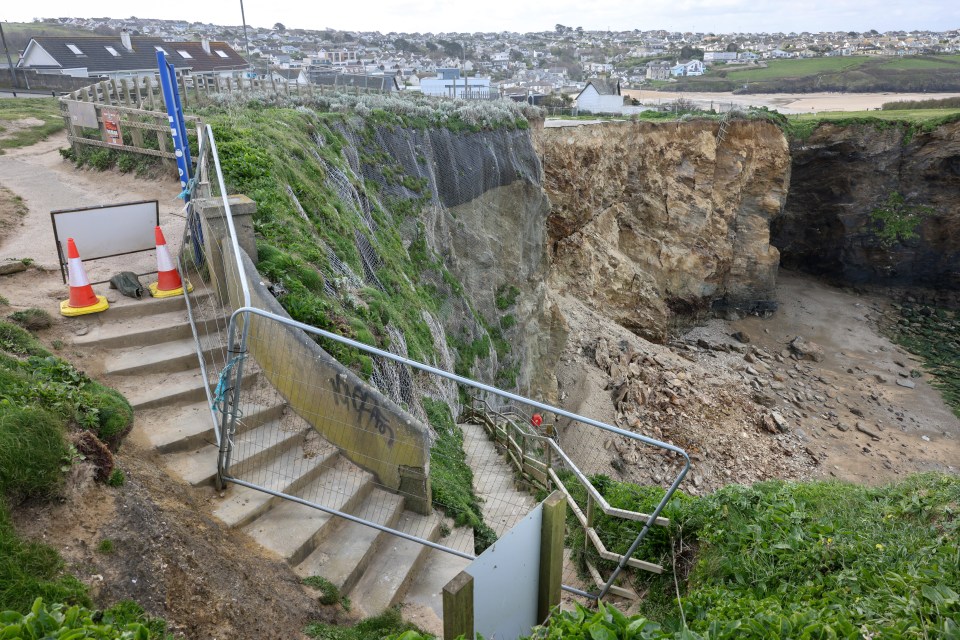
726,425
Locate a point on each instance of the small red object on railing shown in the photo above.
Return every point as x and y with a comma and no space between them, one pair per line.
536,420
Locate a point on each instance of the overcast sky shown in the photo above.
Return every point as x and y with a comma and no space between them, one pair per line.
519,15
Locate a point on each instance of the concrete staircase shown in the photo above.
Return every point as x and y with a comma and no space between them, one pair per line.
146,350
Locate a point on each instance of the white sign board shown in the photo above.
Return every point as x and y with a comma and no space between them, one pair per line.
505,582
108,230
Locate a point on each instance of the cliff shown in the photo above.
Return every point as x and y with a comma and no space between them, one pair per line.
654,223
841,173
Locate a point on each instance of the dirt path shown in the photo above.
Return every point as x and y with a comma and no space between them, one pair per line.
47,182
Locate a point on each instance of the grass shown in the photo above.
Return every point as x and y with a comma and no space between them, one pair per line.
329,592
29,570
839,73
32,319
910,121
451,479
828,558
46,110
388,623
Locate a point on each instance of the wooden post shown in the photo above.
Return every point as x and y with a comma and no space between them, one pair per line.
116,91
551,553
273,83
183,83
590,514
106,92
148,92
458,607
126,92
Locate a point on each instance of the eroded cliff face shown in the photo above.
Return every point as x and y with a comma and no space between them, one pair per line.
652,223
841,173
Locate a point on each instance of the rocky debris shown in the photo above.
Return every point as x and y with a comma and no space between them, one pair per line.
867,431
12,267
730,428
806,350
741,336
909,384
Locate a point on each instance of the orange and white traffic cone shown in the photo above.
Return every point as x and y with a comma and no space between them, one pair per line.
82,298
168,282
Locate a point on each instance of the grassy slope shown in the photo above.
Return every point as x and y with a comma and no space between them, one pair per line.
811,560
45,109
263,150
41,398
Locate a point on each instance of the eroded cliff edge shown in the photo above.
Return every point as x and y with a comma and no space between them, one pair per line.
651,224
841,173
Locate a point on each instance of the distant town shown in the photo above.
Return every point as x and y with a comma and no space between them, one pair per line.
551,66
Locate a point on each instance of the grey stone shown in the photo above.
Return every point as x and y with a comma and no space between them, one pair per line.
909,384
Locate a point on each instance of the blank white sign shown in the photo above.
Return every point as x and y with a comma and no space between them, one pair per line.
108,230
505,581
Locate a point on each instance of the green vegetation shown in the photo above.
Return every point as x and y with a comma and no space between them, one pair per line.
911,122
42,398
797,560
62,621
106,546
329,593
896,220
46,110
506,297
451,478
840,73
932,333
116,479
32,319
936,103
387,624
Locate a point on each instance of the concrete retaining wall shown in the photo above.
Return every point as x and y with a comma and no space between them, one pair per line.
368,428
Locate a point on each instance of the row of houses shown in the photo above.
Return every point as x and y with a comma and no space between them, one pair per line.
127,56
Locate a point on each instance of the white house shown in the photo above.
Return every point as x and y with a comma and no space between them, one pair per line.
448,83
692,68
600,96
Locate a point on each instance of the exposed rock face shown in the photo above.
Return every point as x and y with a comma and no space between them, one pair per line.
652,223
486,219
840,174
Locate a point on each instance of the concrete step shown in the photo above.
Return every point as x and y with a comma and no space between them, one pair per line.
166,389
168,357
387,577
128,308
106,333
175,429
287,473
293,531
439,568
252,447
347,548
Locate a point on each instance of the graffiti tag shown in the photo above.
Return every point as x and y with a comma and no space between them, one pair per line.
362,401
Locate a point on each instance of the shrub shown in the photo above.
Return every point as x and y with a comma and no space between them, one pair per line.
127,162
114,415
101,159
32,319
117,478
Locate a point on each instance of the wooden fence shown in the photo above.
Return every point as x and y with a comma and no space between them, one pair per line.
137,106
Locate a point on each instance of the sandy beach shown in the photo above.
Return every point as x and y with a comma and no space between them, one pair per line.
785,102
